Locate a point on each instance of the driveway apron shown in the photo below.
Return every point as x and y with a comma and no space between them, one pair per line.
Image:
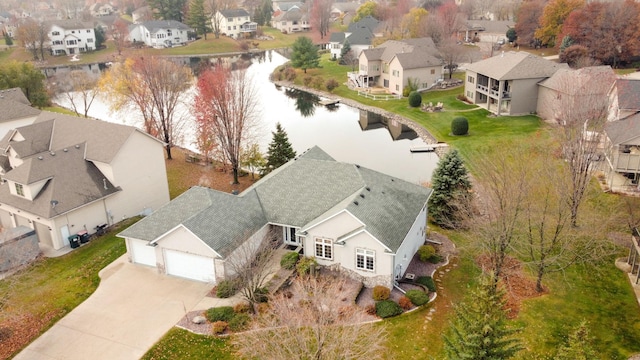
129,312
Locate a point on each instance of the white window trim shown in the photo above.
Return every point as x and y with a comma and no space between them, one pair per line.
366,254
325,243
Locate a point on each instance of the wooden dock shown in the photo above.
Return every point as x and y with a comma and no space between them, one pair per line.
427,148
328,102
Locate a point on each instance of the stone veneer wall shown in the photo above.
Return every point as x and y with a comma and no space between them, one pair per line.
369,282
20,249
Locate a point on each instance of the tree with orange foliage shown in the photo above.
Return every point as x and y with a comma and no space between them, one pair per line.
528,16
553,17
226,106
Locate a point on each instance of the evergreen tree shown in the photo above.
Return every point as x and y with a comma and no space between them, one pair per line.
167,9
7,39
280,150
479,330
198,19
578,346
451,191
100,36
304,54
344,53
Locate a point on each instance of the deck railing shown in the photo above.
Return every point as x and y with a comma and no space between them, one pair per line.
379,97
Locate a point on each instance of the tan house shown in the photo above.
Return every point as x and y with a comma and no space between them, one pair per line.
394,63
507,84
235,23
364,223
585,89
293,19
622,150
62,175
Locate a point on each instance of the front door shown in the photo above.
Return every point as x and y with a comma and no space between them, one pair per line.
289,236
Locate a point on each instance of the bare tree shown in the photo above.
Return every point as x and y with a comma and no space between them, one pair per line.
119,34
33,37
157,88
250,265
321,15
319,325
452,53
228,101
79,88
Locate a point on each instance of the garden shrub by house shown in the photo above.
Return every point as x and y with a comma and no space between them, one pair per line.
387,308
222,313
415,99
405,303
226,289
305,264
428,282
381,293
239,322
219,327
425,252
289,260
417,297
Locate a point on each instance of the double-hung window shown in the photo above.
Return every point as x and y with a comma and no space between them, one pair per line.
324,248
365,259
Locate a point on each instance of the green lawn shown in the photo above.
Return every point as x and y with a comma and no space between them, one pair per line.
184,345
51,287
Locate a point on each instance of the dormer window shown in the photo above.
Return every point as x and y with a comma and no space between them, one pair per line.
19,189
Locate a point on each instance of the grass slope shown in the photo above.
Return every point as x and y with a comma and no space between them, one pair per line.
182,344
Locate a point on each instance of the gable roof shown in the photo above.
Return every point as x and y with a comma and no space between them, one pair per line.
411,53
71,24
13,110
293,14
516,65
367,22
628,93
295,194
360,36
621,131
231,13
593,80
156,25
14,94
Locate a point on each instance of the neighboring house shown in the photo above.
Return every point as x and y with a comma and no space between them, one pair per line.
69,37
394,63
624,98
359,35
507,84
279,6
142,14
160,33
340,9
64,174
294,19
362,222
622,149
100,9
106,22
16,110
585,89
235,23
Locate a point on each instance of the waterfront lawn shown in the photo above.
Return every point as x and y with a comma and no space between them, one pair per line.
50,288
5,54
182,344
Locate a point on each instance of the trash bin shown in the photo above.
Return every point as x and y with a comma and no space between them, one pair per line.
84,236
74,241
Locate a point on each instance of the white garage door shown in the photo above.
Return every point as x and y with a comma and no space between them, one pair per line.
189,266
141,253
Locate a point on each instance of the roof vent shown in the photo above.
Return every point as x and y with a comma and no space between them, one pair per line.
358,166
362,196
65,150
53,153
40,158
77,146
368,188
355,202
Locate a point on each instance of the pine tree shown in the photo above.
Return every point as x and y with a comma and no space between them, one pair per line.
451,188
198,19
280,150
578,346
7,39
479,330
304,54
346,47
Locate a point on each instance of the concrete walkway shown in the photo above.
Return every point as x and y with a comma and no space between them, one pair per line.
131,310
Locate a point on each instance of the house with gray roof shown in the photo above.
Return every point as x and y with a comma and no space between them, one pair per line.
359,35
160,33
624,97
16,110
63,174
235,23
355,220
396,62
507,84
71,36
294,19
622,150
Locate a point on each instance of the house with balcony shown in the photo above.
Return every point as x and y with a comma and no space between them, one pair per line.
68,37
622,151
235,23
293,19
160,33
396,62
507,84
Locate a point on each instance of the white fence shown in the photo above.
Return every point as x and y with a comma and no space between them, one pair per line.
379,97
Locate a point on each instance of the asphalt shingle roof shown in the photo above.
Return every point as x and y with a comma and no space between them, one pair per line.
229,13
628,93
295,194
14,94
412,53
157,25
516,65
593,80
621,131
13,110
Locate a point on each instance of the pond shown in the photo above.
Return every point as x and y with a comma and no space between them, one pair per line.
347,134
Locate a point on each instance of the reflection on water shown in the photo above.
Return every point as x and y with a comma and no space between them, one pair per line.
345,133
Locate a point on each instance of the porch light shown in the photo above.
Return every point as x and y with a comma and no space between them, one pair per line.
152,244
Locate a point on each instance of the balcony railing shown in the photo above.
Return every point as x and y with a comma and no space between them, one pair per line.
625,162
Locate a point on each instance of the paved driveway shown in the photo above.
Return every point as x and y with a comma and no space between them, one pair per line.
131,309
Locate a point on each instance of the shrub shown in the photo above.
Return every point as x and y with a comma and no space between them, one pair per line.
332,84
290,74
417,297
244,46
381,293
428,282
307,80
406,91
226,288
241,308
317,83
219,327
387,308
304,265
460,126
425,252
261,295
262,308
436,258
239,322
415,99
405,303
370,309
461,97
222,313
289,260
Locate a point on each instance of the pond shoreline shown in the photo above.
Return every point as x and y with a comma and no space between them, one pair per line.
421,131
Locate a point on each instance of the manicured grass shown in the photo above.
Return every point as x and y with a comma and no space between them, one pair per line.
184,345
60,110
51,287
6,53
